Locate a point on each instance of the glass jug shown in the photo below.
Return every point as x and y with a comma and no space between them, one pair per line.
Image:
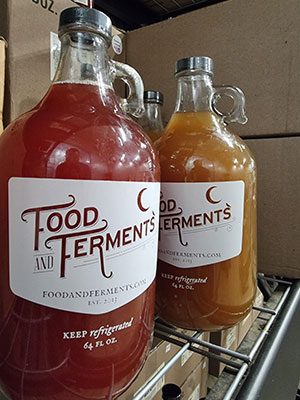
78,262
151,120
207,264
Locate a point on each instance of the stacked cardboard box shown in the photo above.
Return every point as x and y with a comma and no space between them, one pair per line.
160,354
26,25
278,199
245,325
231,338
30,29
227,338
195,386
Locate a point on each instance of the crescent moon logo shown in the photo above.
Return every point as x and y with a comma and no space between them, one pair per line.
208,196
139,201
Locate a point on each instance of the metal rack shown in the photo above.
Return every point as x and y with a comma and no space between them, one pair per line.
271,369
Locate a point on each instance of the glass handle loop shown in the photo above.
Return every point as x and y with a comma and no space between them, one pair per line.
134,103
237,113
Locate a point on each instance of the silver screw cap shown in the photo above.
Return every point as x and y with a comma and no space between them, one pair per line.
150,96
88,18
202,64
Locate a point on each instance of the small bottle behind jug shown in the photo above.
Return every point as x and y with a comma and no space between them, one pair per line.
171,391
151,120
207,249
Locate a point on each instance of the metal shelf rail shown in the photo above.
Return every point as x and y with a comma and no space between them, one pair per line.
275,355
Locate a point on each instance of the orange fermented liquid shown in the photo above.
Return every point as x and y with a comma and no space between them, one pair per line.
154,135
196,147
72,134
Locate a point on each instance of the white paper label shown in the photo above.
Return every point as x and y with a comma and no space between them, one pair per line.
117,44
196,393
86,3
201,223
82,2
231,336
185,357
82,246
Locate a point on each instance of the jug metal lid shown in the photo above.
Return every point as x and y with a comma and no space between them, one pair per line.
90,19
152,96
201,64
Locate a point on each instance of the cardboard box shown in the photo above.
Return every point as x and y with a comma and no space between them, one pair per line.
227,338
160,354
186,364
245,325
27,27
195,386
2,77
254,45
259,302
204,378
278,205
231,338
259,53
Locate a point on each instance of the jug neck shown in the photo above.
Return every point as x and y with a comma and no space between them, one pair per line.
152,117
194,92
84,60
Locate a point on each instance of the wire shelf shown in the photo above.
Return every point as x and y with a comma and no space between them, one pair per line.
241,364
270,370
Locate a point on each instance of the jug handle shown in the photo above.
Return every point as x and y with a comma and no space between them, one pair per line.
237,113
134,103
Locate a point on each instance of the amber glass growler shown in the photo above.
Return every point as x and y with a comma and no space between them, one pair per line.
207,248
77,261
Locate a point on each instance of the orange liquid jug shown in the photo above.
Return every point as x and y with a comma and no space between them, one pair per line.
207,248
78,262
